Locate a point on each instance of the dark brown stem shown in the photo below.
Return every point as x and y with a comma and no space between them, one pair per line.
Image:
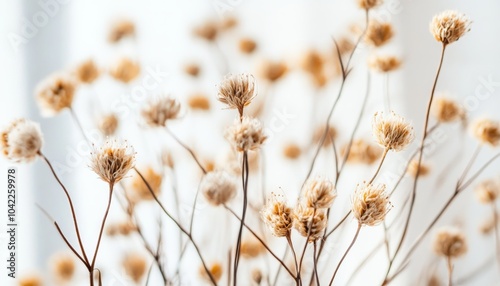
111,186
191,152
244,180
345,254
290,243
315,270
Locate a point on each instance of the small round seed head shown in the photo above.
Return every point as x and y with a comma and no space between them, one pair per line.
215,269
368,4
331,134
413,167
488,225
87,71
246,134
378,33
370,204
121,29
125,70
487,191
199,101
228,23
486,131
449,26
159,110
450,242
108,124
30,280
434,281
318,193
135,266
138,189
292,151
392,131
207,31
55,93
273,71
251,248
63,267
257,276
362,152
447,110
309,221
313,62
345,45
384,64
277,216
192,69
22,140
237,91
247,45
112,161
218,187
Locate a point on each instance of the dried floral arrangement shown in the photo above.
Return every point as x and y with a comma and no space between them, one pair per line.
303,227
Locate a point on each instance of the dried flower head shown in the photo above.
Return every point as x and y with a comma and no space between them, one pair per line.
486,131
318,193
257,276
251,248
215,270
218,187
370,203
246,134
362,152
55,93
369,4
108,124
434,281
228,23
292,151
237,91
345,45
384,64
63,267
447,110
112,161
192,69
378,33
125,70
139,191
21,140
30,280
309,222
392,131
199,101
313,62
120,30
488,225
87,71
413,167
209,165
277,216
166,159
207,31
120,228
247,45
159,110
449,26
273,71
331,134
450,242
487,191
135,266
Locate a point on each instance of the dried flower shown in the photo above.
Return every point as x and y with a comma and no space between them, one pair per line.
331,134
309,222
251,248
192,69
87,71
362,152
135,266
450,242
488,225
392,131
447,110
434,281
486,131
215,269
30,280
112,161
449,26
123,228
108,124
277,216
273,71
345,45
368,4
318,193
218,187
159,110
247,45
55,93
228,23
245,135
413,167
237,91
120,30
487,191
199,101
166,159
125,70
138,188
22,140
292,151
207,31
378,33
384,64
313,62
257,276
63,267
370,204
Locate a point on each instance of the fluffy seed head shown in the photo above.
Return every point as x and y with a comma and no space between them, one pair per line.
218,187
112,161
378,33
21,140
320,131
63,267
192,69
55,93
384,64
207,31
108,124
391,131
273,71
135,266
87,71
139,190
486,131
237,91
292,151
313,62
120,30
447,110
246,134
309,221
450,242
199,101
318,193
277,216
215,269
370,204
125,70
413,167
449,26
368,4
487,191
362,152
251,248
488,225
158,111
247,45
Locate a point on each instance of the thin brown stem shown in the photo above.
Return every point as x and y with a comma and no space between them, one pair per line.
244,181
315,270
79,124
449,264
103,223
191,152
345,254
379,165
497,234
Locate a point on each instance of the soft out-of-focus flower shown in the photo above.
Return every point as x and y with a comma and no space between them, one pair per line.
318,193
125,70
159,110
486,131
55,93
22,140
218,187
246,134
450,242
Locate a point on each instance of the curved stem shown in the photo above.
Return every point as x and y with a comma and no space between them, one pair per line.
244,179
345,254
79,124
111,186
379,165
290,243
191,152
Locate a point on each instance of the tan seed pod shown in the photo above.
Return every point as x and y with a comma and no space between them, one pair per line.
247,45
120,30
378,33
449,26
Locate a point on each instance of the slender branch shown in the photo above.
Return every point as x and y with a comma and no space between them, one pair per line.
345,254
111,186
379,165
469,165
497,234
449,264
187,149
315,270
244,179
290,243
79,124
